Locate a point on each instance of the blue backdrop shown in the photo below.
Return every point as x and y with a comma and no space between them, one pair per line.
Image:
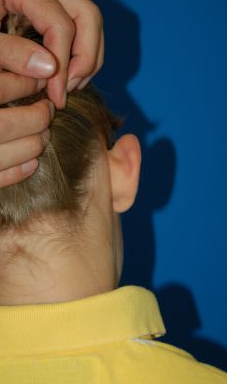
165,72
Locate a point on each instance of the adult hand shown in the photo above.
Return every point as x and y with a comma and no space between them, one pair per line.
23,130
72,32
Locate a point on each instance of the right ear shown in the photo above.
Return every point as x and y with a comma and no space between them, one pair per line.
124,163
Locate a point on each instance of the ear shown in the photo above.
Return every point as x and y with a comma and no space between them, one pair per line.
124,163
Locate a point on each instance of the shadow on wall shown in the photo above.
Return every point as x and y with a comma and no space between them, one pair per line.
122,62
182,321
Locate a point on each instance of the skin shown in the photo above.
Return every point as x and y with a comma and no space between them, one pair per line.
47,263
72,54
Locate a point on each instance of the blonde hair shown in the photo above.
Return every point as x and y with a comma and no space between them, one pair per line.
77,136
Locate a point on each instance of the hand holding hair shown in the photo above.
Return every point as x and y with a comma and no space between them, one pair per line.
21,128
72,35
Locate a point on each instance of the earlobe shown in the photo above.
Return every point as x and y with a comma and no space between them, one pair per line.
124,163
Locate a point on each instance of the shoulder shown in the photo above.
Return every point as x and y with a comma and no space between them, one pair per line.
167,364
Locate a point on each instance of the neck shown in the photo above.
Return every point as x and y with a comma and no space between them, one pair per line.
48,267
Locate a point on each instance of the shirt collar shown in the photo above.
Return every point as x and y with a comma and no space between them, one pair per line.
121,314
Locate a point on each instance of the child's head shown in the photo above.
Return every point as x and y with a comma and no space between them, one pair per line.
79,133
83,181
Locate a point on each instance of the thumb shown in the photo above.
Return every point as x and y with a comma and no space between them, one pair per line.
25,57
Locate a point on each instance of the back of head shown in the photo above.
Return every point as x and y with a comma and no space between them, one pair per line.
78,134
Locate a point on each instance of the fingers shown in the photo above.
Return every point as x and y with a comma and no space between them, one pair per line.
88,45
80,82
85,81
25,57
23,135
18,173
14,87
68,27
17,122
58,32
20,151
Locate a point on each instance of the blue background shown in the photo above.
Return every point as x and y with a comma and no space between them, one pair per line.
165,72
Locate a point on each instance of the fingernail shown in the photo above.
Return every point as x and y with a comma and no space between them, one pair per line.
41,84
52,110
41,64
29,167
84,83
63,101
73,83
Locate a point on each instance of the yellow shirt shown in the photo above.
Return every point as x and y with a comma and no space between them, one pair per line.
103,339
